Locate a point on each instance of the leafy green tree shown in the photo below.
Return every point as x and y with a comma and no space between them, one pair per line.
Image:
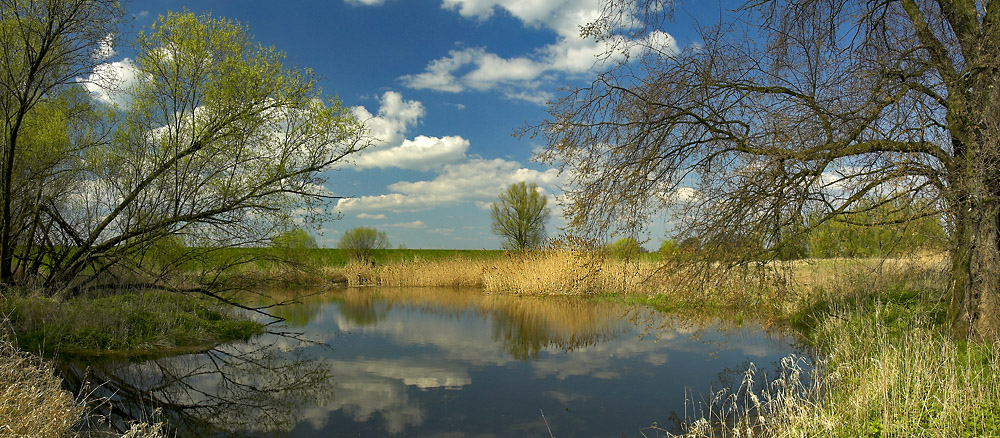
362,241
45,46
626,247
295,238
669,246
519,217
824,105
220,141
292,247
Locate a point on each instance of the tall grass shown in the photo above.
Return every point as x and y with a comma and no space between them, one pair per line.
534,272
872,383
887,369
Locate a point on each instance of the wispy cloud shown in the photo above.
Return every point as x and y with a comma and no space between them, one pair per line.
415,225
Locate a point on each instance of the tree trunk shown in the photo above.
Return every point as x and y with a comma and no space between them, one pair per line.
6,177
975,304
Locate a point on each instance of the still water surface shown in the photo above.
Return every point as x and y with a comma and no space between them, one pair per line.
447,362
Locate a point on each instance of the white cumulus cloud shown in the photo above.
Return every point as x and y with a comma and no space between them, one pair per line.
109,81
395,116
422,153
393,150
517,76
476,181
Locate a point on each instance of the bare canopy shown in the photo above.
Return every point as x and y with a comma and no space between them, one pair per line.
787,110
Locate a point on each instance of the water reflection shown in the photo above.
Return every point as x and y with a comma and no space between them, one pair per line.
235,389
435,362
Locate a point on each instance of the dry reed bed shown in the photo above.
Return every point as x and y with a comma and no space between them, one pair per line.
541,272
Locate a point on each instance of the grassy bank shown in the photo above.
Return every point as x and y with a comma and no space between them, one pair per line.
887,369
134,323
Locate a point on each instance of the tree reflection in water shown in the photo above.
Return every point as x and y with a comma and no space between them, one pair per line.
230,390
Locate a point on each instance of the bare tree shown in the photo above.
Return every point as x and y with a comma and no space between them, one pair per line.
793,109
519,217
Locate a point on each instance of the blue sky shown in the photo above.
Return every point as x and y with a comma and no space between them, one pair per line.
442,84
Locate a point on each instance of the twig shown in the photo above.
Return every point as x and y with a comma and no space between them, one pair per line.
547,424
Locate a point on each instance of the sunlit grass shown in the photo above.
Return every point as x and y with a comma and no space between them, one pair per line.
886,368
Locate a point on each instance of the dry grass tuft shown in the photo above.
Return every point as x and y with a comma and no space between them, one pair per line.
32,403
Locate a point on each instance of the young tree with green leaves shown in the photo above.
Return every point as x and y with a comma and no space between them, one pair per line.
361,241
295,238
626,248
519,217
669,247
219,144
45,46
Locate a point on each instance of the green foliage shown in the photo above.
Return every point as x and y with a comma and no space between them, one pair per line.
296,238
218,142
669,247
47,47
691,243
519,217
878,230
626,248
361,242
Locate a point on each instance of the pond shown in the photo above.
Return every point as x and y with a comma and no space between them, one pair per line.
445,362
